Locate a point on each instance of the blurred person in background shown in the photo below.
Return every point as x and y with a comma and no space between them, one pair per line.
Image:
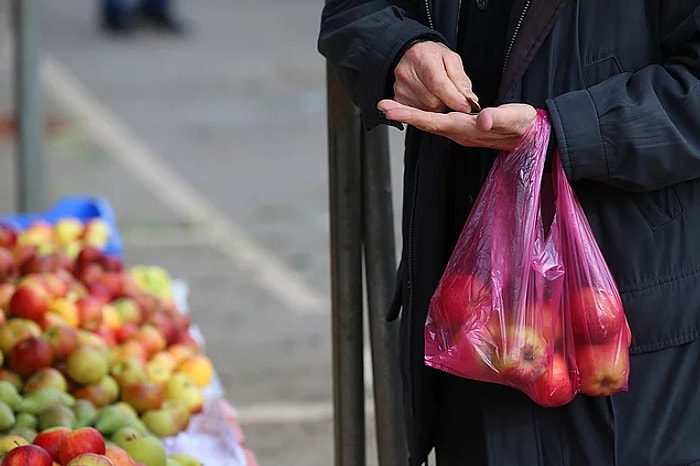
123,16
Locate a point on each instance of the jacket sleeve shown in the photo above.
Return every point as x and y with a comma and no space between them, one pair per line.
637,131
363,40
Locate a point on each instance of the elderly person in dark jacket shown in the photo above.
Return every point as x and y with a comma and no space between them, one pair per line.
621,81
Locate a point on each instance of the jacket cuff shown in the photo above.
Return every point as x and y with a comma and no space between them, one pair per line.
576,126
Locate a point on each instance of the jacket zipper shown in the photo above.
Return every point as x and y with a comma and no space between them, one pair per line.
429,13
409,285
518,26
459,17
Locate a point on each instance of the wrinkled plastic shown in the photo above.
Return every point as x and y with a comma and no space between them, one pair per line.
524,302
601,333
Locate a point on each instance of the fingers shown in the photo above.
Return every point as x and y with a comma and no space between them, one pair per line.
438,82
455,71
443,124
416,95
431,77
427,121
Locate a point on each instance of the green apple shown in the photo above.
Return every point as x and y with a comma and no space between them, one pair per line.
56,416
186,460
36,402
148,450
9,395
87,365
7,417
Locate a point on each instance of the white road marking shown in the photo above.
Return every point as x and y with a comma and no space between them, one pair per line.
113,136
282,412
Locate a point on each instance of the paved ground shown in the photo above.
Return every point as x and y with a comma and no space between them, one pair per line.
202,144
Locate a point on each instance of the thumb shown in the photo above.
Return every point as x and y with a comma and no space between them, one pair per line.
486,119
506,118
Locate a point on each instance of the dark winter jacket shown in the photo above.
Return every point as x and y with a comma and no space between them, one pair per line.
621,80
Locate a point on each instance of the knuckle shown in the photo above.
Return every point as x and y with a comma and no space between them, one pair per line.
401,72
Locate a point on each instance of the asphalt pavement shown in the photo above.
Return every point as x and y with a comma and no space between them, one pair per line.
212,150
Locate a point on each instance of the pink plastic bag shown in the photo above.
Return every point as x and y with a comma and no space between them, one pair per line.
515,304
601,333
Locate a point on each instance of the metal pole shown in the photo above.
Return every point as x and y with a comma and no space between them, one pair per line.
380,264
28,110
344,161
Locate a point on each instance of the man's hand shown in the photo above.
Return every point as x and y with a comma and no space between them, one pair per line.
431,77
500,128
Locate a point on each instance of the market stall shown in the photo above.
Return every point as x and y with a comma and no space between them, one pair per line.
100,361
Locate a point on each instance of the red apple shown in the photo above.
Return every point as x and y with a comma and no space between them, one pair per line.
99,291
603,368
56,285
143,396
50,439
113,281
184,337
552,324
596,316
24,252
14,331
8,236
95,393
64,262
180,321
106,334
7,289
126,331
150,338
8,266
37,280
30,355
89,255
460,301
111,263
29,302
89,312
523,357
165,326
558,386
26,455
41,263
79,441
147,303
62,339
88,273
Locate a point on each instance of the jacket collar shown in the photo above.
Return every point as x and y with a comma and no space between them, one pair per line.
537,23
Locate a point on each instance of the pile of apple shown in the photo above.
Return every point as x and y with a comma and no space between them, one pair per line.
87,342
86,446
549,354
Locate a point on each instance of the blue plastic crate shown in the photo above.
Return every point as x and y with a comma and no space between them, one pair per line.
81,207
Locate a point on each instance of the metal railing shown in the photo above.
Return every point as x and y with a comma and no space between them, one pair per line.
31,176
361,221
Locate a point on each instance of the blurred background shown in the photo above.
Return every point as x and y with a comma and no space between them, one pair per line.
212,148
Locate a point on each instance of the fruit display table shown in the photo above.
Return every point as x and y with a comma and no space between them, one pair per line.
100,362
